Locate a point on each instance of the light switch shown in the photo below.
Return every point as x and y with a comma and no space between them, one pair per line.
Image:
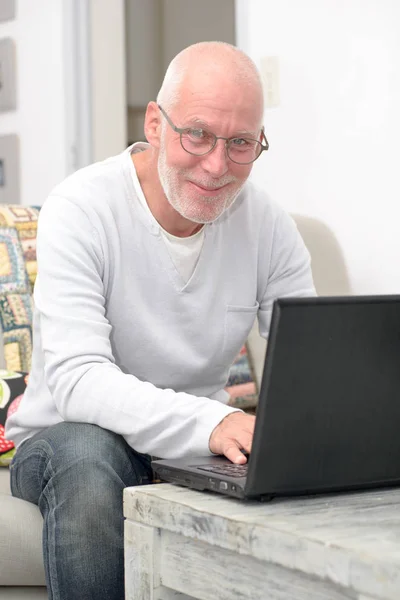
7,75
269,69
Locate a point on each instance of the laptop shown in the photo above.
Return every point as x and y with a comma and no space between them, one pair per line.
328,417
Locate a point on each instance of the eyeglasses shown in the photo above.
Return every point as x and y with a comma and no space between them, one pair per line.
199,141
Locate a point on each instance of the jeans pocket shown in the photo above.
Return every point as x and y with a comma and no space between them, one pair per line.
26,471
13,468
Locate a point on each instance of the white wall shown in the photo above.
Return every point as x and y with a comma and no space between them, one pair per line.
39,119
335,135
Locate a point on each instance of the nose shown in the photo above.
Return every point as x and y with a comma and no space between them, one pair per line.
216,163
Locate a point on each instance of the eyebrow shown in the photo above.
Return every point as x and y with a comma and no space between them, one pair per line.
202,124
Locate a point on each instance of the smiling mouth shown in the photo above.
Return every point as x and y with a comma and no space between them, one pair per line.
209,190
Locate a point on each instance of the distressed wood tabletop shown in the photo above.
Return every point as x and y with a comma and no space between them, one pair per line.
327,547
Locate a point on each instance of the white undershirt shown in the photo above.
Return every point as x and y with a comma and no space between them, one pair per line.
184,251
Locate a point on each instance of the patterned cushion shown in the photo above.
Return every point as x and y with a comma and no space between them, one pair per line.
2,358
18,226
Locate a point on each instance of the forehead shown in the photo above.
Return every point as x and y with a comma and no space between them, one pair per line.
220,104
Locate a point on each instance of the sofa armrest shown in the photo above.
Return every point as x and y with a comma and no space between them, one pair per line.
256,346
4,480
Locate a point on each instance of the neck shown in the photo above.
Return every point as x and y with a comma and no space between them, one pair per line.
169,219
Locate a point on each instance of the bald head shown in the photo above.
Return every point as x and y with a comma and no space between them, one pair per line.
213,63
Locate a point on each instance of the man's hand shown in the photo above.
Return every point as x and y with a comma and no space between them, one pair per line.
233,434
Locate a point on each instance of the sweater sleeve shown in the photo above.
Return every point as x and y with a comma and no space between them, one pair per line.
80,371
290,269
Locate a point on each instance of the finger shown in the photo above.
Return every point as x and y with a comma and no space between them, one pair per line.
232,451
245,443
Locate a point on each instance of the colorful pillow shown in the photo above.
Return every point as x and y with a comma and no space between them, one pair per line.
2,358
12,387
241,385
18,226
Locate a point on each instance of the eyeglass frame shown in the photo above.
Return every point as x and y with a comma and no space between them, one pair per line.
182,130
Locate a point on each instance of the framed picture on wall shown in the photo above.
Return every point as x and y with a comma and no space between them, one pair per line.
7,10
9,169
8,93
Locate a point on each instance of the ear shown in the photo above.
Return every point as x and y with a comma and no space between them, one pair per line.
152,124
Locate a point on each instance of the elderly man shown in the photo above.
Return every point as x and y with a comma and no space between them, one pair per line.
152,268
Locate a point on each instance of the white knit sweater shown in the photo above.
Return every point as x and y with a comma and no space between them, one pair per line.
120,339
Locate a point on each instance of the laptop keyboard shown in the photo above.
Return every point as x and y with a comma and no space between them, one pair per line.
229,470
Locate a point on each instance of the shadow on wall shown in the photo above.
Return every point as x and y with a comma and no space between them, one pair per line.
327,260
329,273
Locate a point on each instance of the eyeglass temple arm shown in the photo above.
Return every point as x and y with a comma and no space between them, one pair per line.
264,139
174,127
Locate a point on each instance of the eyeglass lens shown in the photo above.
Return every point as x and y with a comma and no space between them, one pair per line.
240,150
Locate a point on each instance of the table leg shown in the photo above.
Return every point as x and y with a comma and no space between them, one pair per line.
142,565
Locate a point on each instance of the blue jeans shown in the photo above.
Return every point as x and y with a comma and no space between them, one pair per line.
75,473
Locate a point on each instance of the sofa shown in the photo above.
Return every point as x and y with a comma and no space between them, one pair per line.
21,564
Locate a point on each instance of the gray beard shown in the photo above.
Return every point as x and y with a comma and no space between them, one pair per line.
165,178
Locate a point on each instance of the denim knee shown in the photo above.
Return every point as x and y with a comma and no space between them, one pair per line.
72,453
84,442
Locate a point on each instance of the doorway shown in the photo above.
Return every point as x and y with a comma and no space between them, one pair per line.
156,30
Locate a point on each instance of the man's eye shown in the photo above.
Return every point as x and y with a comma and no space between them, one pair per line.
197,134
239,142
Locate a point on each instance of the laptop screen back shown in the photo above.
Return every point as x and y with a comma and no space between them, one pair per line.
329,412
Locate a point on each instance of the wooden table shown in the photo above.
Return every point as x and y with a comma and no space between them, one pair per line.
182,544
